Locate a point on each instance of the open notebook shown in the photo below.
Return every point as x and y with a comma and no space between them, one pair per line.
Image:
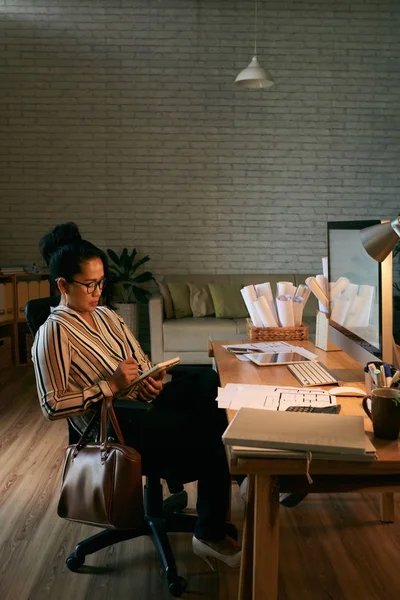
291,434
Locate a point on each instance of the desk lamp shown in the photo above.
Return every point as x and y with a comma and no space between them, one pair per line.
379,240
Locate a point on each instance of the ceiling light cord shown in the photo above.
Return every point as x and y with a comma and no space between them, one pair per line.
255,29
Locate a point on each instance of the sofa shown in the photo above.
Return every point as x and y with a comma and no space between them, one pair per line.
188,337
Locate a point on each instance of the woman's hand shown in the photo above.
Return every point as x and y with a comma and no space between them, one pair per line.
151,387
126,372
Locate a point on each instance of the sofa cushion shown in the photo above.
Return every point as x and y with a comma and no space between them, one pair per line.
190,335
180,299
200,300
228,301
168,306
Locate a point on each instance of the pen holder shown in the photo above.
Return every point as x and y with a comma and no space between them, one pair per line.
369,382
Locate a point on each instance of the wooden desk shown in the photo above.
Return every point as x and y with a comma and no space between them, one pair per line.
260,549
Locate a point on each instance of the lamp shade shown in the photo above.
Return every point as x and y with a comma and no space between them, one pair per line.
254,76
379,240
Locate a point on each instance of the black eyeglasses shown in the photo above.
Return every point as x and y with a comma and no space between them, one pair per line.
92,286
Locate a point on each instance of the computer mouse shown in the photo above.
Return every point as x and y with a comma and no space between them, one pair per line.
346,391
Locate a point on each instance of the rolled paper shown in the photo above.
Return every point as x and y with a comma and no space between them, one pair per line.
340,309
284,305
306,296
318,292
359,312
367,292
265,313
349,293
325,273
300,290
249,296
298,305
285,288
323,285
264,289
339,287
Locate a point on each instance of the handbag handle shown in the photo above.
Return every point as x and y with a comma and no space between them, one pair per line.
107,408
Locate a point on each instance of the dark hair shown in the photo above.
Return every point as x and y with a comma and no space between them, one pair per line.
64,251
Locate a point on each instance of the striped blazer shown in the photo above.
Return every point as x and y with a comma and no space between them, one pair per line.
72,361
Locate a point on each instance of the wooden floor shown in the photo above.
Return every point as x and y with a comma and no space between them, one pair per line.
332,547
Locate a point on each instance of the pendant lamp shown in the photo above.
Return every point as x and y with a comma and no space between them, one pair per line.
254,76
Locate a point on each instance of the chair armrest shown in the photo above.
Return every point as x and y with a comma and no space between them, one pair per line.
156,318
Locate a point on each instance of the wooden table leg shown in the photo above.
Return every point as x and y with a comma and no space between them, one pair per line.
246,564
266,538
387,507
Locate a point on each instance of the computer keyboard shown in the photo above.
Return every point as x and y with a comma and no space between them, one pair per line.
311,373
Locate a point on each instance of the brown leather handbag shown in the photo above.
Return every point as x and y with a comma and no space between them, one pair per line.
102,481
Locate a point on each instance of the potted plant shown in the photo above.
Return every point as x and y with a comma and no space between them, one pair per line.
126,291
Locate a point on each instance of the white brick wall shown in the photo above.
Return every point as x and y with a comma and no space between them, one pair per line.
121,116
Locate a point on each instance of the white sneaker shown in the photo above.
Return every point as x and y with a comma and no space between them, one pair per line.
227,551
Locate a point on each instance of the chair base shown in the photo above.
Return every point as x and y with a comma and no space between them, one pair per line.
154,525
162,517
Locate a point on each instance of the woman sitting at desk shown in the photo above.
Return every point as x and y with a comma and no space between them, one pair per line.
85,352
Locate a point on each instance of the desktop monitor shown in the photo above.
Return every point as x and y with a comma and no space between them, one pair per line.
361,315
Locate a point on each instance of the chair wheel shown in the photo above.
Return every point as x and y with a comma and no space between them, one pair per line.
74,562
177,586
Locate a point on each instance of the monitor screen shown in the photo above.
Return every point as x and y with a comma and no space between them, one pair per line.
356,286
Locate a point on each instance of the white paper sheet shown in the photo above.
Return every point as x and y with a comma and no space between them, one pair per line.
268,397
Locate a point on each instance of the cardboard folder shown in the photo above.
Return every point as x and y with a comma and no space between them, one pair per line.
311,432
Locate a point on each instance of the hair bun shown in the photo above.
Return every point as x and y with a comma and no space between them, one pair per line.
65,234
62,235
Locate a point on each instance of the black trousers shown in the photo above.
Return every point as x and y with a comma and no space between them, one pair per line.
179,436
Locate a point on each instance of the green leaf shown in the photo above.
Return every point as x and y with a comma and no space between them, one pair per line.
141,295
122,277
133,256
125,261
143,277
113,256
138,264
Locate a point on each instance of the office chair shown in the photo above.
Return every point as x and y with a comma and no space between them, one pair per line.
161,516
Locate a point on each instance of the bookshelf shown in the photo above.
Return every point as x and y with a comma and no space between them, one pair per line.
15,327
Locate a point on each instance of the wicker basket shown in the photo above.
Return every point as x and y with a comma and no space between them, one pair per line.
6,360
274,334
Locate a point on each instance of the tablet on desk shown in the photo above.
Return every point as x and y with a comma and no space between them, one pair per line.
269,359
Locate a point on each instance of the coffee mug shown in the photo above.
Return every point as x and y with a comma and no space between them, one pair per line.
385,413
